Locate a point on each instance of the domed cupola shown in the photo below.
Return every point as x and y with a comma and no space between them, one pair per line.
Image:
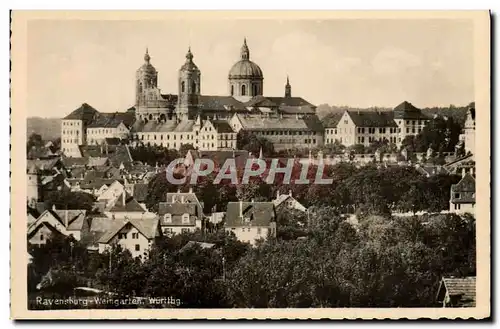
245,77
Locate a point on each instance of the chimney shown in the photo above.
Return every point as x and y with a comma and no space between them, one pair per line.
178,190
290,192
54,207
66,218
252,200
277,194
123,198
106,148
241,209
190,189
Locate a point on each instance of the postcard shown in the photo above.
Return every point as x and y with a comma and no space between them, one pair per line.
250,165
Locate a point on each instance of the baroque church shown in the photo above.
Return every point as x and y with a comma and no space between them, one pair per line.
207,122
245,94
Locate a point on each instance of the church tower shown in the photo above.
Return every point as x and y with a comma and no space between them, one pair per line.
189,88
288,88
146,79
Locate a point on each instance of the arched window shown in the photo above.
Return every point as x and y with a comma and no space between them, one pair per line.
183,86
232,90
193,87
254,90
243,90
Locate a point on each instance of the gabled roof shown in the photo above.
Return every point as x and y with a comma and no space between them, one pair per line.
332,119
113,120
466,184
85,112
69,162
372,118
176,210
406,110
220,103
147,227
116,154
43,164
463,288
75,218
127,204
222,126
257,213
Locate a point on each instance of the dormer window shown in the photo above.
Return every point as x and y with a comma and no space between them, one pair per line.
185,218
167,218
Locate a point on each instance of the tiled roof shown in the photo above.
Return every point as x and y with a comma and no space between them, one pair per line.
222,126
266,101
112,120
466,184
372,118
86,113
43,164
331,120
297,109
220,103
167,126
74,162
203,245
258,213
176,210
464,288
141,192
75,218
116,154
147,227
94,162
280,199
130,204
311,123
406,110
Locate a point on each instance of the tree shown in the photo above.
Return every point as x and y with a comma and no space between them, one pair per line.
70,200
357,149
252,143
34,140
183,150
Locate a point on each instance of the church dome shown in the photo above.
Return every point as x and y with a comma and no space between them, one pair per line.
245,68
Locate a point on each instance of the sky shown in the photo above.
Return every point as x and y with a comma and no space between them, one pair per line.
358,63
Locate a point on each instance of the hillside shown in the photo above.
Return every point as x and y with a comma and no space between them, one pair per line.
48,128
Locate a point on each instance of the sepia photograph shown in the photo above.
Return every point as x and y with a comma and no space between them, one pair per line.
226,165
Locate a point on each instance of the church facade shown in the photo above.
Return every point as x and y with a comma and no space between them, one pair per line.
207,122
